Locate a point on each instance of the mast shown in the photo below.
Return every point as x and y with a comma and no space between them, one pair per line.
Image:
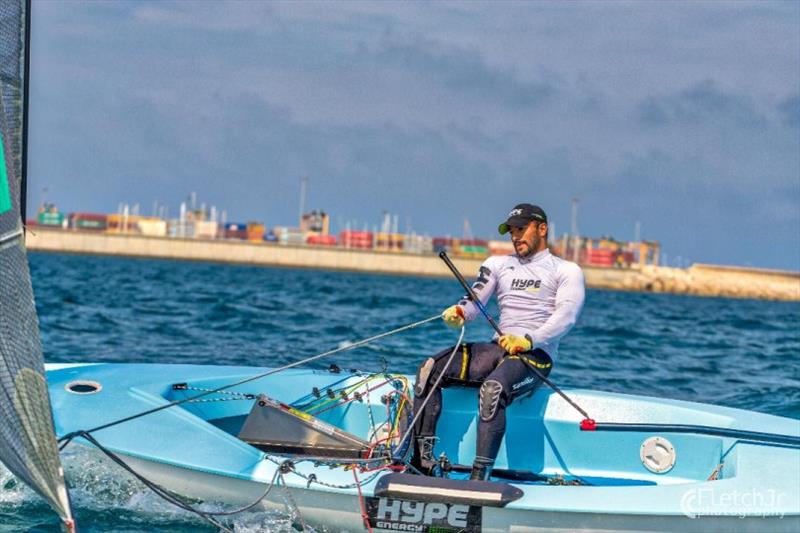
303,185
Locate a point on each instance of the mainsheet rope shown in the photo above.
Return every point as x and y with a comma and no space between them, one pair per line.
363,342
211,516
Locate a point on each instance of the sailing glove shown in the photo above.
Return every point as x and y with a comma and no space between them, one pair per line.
453,316
514,344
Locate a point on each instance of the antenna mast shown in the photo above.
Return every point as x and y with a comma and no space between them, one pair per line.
303,185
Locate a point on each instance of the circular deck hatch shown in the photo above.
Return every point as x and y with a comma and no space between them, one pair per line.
83,387
657,455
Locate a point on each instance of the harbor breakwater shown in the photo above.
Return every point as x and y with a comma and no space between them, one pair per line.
701,280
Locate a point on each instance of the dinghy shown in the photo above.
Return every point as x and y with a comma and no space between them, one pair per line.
332,446
322,440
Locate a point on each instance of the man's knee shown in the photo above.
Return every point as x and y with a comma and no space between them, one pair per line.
491,399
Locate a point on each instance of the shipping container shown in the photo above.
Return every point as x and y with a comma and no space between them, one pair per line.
472,251
599,257
290,236
255,232
418,244
50,219
472,248
388,242
152,228
121,223
235,231
321,240
443,244
356,239
180,229
500,247
88,221
206,229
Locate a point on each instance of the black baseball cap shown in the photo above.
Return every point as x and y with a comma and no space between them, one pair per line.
521,215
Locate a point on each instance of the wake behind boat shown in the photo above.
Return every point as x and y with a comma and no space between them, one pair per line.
550,474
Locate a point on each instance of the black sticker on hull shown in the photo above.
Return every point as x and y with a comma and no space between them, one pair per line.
423,517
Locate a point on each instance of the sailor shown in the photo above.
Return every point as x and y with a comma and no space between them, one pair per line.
540,297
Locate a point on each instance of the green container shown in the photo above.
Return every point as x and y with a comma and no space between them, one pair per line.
90,224
472,249
50,219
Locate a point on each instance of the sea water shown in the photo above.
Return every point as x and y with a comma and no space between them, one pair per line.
738,353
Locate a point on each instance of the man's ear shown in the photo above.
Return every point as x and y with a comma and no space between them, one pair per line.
542,229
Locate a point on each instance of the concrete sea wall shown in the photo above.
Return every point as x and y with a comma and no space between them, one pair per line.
702,280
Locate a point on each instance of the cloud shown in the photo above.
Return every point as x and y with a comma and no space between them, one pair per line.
700,103
789,110
465,72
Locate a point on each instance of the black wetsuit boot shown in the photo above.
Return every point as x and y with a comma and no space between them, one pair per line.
422,459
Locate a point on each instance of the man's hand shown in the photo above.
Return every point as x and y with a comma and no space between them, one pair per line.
453,316
514,344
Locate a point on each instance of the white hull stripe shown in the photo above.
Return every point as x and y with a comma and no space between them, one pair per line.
441,491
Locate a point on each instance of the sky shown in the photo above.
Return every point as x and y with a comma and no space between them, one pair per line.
681,116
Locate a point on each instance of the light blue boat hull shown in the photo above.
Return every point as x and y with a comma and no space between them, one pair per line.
192,450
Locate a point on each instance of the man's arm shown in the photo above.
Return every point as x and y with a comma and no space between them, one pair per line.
569,302
483,287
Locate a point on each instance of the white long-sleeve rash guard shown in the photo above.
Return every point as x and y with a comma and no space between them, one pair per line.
539,296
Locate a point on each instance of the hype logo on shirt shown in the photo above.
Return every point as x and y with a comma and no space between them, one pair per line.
530,285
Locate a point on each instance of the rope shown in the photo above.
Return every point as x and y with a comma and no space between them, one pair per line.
291,506
432,389
157,489
363,508
206,515
285,466
241,395
312,478
256,377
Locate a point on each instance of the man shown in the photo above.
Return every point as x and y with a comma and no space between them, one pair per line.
540,297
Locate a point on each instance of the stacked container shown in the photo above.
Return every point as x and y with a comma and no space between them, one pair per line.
444,244
88,221
475,248
500,247
355,239
321,240
255,232
292,236
180,229
234,230
600,257
206,229
152,227
418,244
50,219
389,242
